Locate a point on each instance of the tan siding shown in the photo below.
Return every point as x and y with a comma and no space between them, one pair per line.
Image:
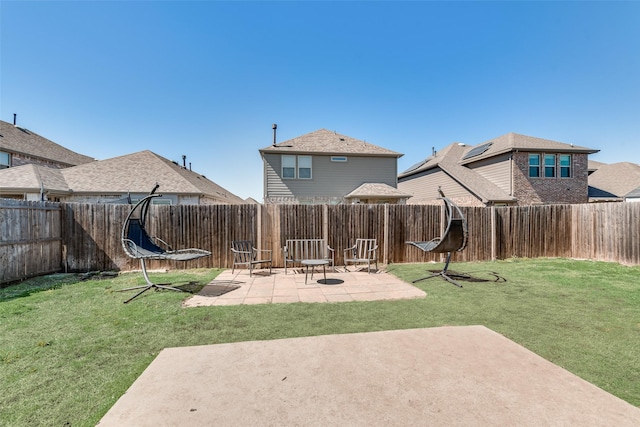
422,193
330,179
275,186
497,170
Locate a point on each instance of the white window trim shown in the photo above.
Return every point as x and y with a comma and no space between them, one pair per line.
288,166
310,167
297,166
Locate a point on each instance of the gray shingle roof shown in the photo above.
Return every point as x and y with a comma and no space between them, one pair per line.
31,178
23,141
138,172
618,179
448,159
133,173
514,141
375,189
328,142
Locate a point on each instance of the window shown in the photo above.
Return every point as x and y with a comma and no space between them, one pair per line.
5,160
304,167
565,166
301,164
338,159
549,165
534,165
289,167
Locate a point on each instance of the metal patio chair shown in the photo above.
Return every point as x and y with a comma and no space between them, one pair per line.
364,251
244,253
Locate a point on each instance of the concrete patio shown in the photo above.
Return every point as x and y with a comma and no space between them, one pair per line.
447,376
340,286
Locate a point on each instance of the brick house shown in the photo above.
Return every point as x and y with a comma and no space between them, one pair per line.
512,169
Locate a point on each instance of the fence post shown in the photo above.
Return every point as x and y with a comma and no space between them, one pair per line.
259,226
385,257
493,233
325,223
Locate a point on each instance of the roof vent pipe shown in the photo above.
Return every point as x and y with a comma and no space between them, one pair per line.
14,118
433,151
184,161
275,126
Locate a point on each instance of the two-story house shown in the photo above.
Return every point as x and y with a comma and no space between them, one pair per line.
20,146
325,167
512,169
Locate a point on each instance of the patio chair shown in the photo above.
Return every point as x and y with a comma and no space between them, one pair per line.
138,244
364,251
454,239
245,254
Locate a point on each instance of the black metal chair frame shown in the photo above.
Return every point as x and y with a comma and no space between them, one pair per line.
454,239
137,244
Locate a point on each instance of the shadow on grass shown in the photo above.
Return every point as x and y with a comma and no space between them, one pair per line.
37,284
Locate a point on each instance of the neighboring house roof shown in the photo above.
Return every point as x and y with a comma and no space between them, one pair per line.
617,179
448,160
133,173
32,178
594,165
138,172
634,194
19,140
374,190
327,142
516,142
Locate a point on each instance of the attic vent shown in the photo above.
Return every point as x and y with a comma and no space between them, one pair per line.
342,139
476,151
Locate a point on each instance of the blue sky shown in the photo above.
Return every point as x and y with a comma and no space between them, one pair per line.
207,79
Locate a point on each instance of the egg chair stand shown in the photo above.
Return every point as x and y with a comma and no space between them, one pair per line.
137,244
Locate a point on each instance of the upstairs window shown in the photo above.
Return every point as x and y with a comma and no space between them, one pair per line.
304,167
299,167
534,165
565,166
5,160
549,165
289,167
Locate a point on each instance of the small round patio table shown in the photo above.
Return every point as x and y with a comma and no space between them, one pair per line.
313,263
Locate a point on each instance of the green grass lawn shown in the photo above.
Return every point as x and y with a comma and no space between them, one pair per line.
70,348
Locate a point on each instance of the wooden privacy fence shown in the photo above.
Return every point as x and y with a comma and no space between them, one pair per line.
40,238
30,239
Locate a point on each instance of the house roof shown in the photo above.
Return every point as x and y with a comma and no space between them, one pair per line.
23,141
32,178
377,190
516,142
618,179
593,165
328,142
448,160
139,172
133,173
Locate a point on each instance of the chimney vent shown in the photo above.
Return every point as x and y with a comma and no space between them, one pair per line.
14,118
275,126
184,161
